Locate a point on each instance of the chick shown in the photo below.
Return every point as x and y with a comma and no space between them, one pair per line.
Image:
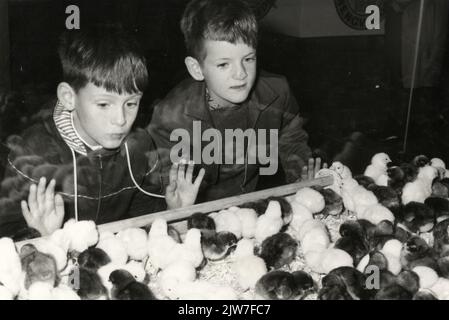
344,283
396,179
135,240
113,247
269,223
216,246
160,244
427,276
378,166
173,233
364,180
416,252
174,274
90,285
420,189
333,202
190,250
93,259
80,235
248,267
439,206
248,219
440,166
387,197
424,295
10,266
420,161
300,215
440,188
341,169
227,220
376,213
278,250
417,217
200,221
311,199
38,267
125,287
282,285
441,238
354,246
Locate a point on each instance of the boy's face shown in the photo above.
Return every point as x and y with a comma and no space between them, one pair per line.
104,118
229,71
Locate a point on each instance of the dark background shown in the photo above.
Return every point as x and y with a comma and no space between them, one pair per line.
343,84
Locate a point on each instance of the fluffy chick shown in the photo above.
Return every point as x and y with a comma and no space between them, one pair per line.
282,285
38,267
90,285
216,246
378,166
278,250
416,252
417,216
344,283
248,267
439,206
269,223
135,240
125,287
200,221
93,259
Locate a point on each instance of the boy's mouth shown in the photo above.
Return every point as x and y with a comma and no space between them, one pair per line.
241,87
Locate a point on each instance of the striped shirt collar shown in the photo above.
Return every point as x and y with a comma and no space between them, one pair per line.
64,123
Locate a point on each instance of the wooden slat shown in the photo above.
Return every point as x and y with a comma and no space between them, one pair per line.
177,215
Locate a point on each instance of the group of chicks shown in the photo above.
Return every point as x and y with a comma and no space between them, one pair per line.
397,248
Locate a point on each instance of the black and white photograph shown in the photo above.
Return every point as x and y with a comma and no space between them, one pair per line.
241,151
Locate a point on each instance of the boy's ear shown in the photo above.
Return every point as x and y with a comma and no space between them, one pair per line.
66,95
194,68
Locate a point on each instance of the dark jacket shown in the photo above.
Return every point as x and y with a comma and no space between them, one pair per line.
271,105
106,192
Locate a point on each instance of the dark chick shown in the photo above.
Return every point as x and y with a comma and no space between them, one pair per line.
261,206
282,285
200,221
417,216
416,252
420,161
396,178
440,188
333,202
364,180
439,206
354,245
424,295
90,285
402,287
441,238
387,197
125,287
93,258
38,266
217,245
410,172
278,250
344,283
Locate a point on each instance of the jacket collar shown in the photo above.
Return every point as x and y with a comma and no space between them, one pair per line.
261,96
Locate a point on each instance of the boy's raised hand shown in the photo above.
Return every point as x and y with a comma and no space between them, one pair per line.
308,172
182,191
44,210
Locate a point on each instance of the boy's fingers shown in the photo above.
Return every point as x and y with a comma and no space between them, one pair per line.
25,211
32,199
304,173
59,205
199,178
50,196
317,165
325,165
173,173
182,170
41,193
189,172
310,169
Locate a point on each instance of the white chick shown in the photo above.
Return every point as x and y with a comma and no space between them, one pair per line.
190,251
63,292
174,274
440,166
248,221
362,199
136,269
441,288
247,267
5,294
311,199
160,244
427,276
114,248
203,290
378,166
315,240
135,240
49,247
270,222
40,291
10,266
393,248
376,213
334,258
227,220
363,263
309,225
341,169
81,234
336,185
420,189
382,180
313,260
300,215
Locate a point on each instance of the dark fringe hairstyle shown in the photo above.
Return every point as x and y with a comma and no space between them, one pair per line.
220,20
105,56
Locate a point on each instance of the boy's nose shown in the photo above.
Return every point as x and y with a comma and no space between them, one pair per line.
240,72
118,118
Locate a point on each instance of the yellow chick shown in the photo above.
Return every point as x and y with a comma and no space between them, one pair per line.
247,267
248,221
114,247
378,166
376,213
174,274
311,199
427,276
160,244
227,220
135,240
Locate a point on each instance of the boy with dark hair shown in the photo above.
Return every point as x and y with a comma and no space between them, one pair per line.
86,149
226,93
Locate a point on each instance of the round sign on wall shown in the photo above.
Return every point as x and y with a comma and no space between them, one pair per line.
352,12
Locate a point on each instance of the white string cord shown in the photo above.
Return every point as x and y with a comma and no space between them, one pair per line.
132,176
75,183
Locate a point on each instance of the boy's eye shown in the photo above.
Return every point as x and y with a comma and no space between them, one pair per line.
250,59
132,104
103,104
222,65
